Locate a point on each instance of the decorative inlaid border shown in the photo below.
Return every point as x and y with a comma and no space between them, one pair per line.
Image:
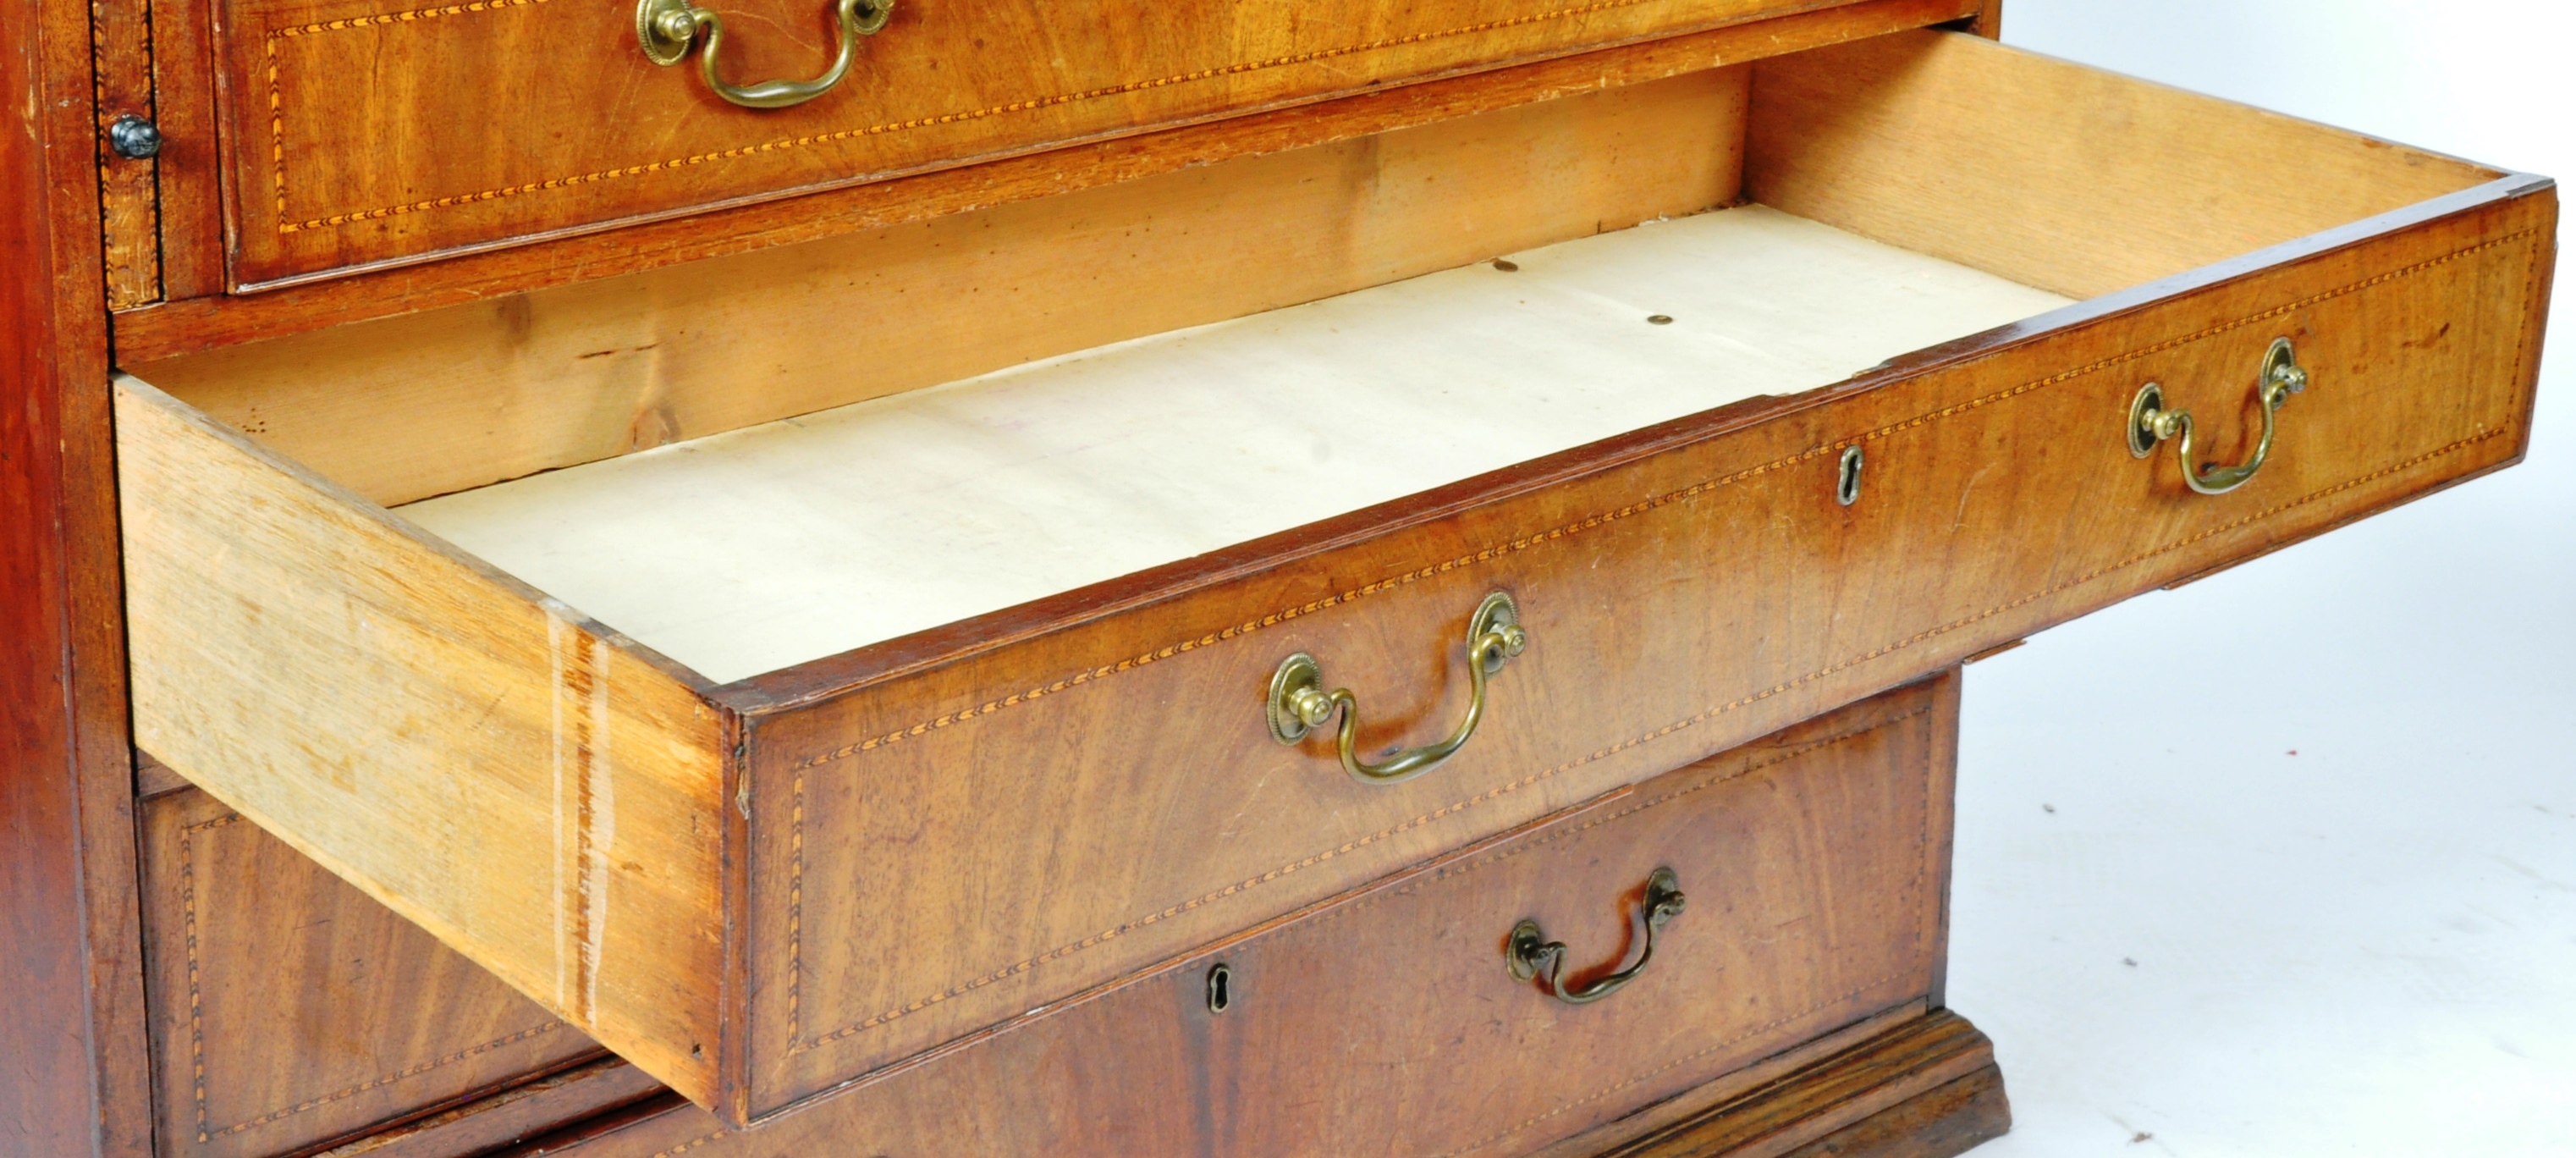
798,1042
121,293
206,1131
287,223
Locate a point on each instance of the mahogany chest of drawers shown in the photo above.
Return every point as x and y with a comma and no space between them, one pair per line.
1208,578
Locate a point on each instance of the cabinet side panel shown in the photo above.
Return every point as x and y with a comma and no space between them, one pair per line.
482,760
72,1064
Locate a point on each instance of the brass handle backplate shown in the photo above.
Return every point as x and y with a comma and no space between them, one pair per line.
1299,704
1529,954
2150,423
667,28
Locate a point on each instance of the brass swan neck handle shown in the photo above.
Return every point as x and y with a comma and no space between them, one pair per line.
668,28
1299,703
2150,423
1529,954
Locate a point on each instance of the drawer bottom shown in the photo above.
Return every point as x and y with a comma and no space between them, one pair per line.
1474,1005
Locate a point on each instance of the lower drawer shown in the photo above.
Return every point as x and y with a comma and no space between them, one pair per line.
1813,866
289,1010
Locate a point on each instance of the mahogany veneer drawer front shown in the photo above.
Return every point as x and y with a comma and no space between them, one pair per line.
368,132
289,1010
1812,868
772,857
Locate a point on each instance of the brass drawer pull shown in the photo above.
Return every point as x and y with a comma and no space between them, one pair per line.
666,29
1299,703
2150,423
1530,954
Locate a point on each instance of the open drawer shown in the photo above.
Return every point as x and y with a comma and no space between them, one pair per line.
927,713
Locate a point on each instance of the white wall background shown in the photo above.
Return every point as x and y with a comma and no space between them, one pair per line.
2184,938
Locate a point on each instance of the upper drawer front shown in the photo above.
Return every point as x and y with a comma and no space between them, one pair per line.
371,132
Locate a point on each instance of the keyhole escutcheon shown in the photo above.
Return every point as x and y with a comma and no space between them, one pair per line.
1220,987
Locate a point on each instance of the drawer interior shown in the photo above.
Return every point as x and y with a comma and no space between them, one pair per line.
779,457
753,551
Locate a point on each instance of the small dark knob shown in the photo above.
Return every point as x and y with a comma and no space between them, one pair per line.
133,138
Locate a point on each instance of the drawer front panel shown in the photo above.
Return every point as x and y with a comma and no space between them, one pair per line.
1707,589
1813,865
289,1009
370,132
